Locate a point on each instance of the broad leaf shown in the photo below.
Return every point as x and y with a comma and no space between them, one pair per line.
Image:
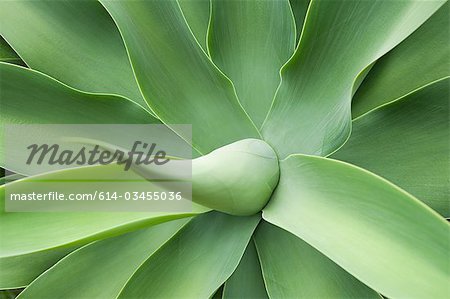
299,9
239,35
101,269
311,110
7,54
196,261
419,60
197,13
294,269
377,232
178,80
247,280
407,142
75,42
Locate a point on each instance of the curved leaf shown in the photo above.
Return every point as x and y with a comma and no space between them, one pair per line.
407,142
299,9
7,54
294,269
311,110
73,41
101,269
196,261
250,41
377,232
177,78
247,280
197,13
419,60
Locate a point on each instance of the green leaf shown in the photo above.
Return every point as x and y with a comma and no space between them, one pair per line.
177,78
422,58
299,9
75,42
377,232
197,13
294,269
247,280
239,35
311,110
407,142
7,54
24,233
101,269
197,261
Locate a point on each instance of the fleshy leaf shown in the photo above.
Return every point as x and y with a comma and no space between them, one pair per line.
377,232
75,42
101,269
422,58
247,280
299,9
196,261
407,142
7,54
250,41
197,13
177,78
294,269
311,111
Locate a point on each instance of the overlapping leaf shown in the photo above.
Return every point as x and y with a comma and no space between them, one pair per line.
311,111
377,232
197,16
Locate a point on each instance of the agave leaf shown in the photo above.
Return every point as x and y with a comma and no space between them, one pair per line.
197,13
420,59
246,281
311,110
377,232
293,269
30,97
75,42
239,35
299,9
178,80
7,54
407,142
101,269
25,233
197,261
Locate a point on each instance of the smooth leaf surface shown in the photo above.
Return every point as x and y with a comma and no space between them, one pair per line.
407,142
24,233
377,232
422,58
247,280
299,9
75,42
178,80
311,110
196,261
7,54
294,269
250,41
197,13
101,269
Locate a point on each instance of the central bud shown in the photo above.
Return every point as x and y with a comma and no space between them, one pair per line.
236,179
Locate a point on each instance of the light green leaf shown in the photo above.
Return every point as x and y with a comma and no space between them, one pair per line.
294,269
299,9
196,261
197,13
311,110
419,60
101,269
407,142
75,42
7,54
24,233
250,41
178,80
247,280
377,232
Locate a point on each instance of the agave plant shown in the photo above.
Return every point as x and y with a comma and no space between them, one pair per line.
326,124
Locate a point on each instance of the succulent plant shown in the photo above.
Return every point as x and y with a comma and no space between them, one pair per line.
321,129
